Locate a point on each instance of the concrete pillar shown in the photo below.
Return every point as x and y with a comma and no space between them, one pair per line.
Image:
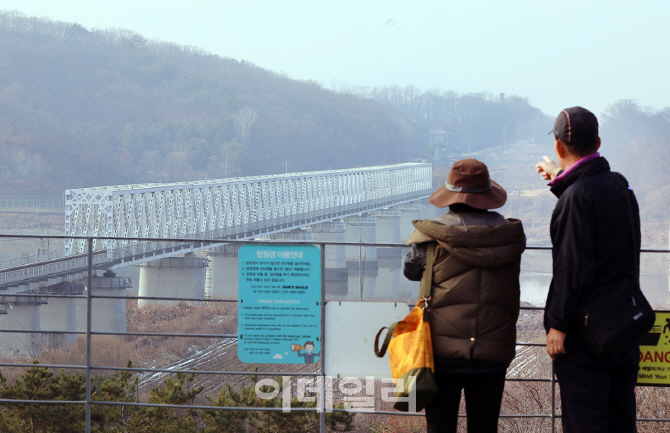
109,314
362,285
391,283
410,212
361,261
173,277
336,260
133,273
60,314
360,228
22,313
387,232
222,275
408,290
430,212
3,310
388,278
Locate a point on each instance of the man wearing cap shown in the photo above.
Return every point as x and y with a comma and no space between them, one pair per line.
474,299
594,246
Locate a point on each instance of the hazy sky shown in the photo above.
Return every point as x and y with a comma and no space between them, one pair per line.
555,53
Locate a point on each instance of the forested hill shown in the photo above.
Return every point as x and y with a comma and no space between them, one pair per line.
85,108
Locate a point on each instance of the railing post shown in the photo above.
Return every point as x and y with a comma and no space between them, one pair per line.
553,399
89,282
322,415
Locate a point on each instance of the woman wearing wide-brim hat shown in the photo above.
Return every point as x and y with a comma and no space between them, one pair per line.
474,299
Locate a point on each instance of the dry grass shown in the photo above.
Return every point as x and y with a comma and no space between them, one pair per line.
399,424
217,318
520,398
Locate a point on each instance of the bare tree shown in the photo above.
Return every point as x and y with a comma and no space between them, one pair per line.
244,118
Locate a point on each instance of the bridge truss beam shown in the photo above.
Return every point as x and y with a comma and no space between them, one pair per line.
233,208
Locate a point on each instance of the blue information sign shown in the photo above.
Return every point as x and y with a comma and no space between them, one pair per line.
279,307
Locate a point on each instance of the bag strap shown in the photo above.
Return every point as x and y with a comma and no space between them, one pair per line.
424,295
427,278
389,334
636,257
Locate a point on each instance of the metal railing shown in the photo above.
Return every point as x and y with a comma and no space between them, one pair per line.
99,260
30,259
57,263
32,203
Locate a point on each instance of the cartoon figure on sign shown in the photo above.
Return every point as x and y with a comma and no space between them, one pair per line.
667,325
308,348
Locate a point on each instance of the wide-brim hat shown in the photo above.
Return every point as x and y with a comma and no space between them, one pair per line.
469,183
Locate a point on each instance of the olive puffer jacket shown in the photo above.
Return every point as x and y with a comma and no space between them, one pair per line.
475,291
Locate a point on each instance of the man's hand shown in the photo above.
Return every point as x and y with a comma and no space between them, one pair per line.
555,343
547,168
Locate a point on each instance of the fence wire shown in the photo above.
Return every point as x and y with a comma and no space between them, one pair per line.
321,407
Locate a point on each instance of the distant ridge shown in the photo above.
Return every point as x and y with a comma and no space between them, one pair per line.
83,108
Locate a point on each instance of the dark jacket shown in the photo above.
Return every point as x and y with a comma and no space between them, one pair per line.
594,247
475,292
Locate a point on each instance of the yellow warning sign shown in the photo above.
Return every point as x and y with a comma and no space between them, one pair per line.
655,353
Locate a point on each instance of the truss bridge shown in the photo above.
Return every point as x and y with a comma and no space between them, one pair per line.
220,210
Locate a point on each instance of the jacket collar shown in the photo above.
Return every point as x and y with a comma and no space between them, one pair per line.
590,168
561,176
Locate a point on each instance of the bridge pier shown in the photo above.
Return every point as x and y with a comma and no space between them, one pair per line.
23,313
109,315
60,314
362,264
430,212
222,274
337,274
360,228
389,277
391,283
362,286
172,277
388,232
410,212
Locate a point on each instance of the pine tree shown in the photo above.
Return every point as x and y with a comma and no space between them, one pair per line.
38,383
248,421
168,420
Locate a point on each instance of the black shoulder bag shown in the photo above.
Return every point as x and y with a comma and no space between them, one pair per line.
621,322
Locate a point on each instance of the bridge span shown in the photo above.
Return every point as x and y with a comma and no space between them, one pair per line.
223,209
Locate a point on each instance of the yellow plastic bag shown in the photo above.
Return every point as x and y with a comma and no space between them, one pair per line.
411,352
412,364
